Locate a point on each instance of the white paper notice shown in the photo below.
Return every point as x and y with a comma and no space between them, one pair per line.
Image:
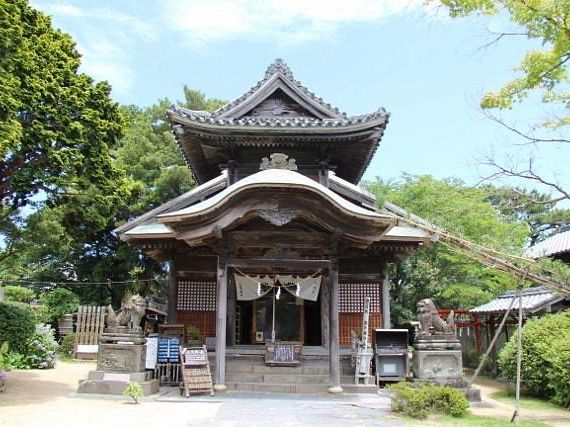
151,352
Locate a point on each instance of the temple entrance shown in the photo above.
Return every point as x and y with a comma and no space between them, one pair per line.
278,315
281,317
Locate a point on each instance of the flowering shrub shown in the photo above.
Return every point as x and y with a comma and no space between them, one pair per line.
41,348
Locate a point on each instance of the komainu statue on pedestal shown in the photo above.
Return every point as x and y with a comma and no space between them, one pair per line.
430,322
131,313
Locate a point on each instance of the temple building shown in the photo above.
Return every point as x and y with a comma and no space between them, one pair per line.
277,243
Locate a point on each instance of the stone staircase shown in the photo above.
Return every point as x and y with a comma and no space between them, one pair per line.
312,376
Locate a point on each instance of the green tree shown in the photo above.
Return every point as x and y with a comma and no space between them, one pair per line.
538,210
542,72
57,128
438,272
80,244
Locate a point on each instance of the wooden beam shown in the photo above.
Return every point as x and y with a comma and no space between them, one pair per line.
347,277
292,263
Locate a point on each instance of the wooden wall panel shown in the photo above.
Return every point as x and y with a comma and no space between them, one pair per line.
205,321
353,322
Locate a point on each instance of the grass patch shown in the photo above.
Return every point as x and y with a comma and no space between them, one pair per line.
475,420
527,402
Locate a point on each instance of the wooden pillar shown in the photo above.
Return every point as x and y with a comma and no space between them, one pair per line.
334,329
325,313
386,321
220,368
231,315
172,292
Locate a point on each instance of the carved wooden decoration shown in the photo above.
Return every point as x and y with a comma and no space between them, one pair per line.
278,161
281,253
278,105
278,217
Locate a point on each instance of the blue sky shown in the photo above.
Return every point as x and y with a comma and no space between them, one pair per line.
428,71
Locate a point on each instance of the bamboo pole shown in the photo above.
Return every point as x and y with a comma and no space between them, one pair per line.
487,256
492,343
516,415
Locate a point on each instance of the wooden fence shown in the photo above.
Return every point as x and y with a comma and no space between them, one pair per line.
90,324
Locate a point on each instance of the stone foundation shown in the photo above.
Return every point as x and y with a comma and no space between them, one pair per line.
120,360
100,382
443,367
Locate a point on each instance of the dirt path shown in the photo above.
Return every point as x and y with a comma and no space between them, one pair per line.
491,407
46,398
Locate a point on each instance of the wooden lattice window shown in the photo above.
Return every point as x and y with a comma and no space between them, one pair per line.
351,297
196,295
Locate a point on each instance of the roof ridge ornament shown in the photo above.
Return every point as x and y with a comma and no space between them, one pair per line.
278,161
279,65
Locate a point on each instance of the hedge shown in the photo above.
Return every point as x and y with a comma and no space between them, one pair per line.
418,400
17,324
545,357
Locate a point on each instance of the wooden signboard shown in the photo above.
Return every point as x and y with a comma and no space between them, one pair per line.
196,376
195,356
283,354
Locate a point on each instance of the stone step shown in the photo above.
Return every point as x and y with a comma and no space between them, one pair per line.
114,387
299,388
277,379
360,388
243,367
285,379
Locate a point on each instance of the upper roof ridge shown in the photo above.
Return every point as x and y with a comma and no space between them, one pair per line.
279,66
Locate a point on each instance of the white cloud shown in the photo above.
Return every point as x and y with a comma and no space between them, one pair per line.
106,39
104,60
105,16
276,20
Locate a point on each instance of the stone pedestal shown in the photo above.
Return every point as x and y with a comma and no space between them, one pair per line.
443,367
437,359
120,360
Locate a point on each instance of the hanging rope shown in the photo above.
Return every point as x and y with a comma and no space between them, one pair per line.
46,283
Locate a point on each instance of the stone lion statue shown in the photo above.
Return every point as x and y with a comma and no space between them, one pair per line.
430,322
130,315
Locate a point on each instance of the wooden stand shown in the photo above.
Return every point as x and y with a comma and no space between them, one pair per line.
195,367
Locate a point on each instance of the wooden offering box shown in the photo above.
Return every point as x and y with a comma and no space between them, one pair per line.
283,354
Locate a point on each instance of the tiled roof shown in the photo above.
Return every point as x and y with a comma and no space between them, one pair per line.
554,245
182,201
279,122
336,119
276,178
533,300
278,66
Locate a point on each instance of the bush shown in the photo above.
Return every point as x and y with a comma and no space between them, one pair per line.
67,345
4,356
16,361
16,325
418,400
134,391
18,294
545,357
42,346
41,314
60,301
